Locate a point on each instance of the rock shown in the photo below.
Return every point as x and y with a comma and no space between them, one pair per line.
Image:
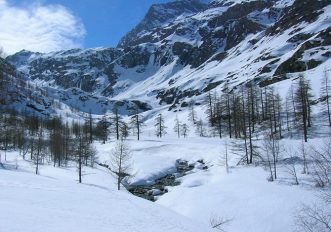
201,165
158,188
201,161
183,166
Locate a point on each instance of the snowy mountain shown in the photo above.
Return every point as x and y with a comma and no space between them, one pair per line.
159,16
19,93
183,49
81,79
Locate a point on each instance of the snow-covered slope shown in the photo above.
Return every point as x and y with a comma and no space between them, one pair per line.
19,93
54,201
243,197
160,16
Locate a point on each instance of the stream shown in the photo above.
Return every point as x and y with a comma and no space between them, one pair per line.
159,186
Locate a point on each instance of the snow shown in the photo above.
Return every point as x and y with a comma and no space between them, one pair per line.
210,13
243,62
54,201
284,3
244,195
57,202
232,2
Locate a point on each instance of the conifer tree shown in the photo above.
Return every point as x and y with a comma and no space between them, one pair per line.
325,93
184,130
303,104
160,128
177,126
136,122
120,162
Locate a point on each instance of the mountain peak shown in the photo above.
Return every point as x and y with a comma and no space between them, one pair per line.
161,14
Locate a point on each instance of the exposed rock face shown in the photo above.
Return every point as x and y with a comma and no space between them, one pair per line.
158,16
183,166
7,69
151,192
298,62
16,93
67,69
301,11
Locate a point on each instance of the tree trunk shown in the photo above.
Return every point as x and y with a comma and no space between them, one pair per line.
80,160
304,118
327,99
328,106
250,133
229,116
244,126
138,128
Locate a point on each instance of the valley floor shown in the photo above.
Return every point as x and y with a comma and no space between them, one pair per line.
54,201
243,197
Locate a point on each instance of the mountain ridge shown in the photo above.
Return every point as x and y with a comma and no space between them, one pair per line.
231,41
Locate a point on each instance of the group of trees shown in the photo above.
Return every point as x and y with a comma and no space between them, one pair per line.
241,113
115,125
316,217
247,110
60,143
180,128
244,114
249,113
49,141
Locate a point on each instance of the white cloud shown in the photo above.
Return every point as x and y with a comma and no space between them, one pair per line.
41,28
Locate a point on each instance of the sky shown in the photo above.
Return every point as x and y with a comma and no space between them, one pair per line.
51,25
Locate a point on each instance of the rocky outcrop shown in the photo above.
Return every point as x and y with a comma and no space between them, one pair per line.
157,16
297,63
68,69
301,11
16,93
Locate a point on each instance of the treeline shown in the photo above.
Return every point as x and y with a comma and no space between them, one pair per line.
58,142
249,113
248,110
115,126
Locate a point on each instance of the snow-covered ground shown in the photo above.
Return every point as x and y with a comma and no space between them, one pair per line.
54,201
243,196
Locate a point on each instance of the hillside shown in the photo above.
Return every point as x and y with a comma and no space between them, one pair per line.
55,201
18,93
